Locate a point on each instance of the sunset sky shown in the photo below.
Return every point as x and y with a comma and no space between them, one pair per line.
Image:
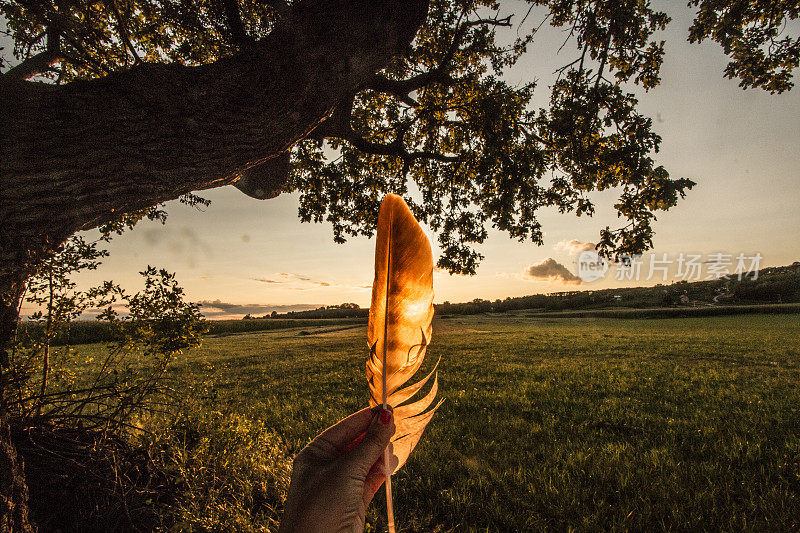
741,147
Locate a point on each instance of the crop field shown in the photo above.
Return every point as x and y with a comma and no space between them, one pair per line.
583,424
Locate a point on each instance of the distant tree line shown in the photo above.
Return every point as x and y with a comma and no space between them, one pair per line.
770,285
345,310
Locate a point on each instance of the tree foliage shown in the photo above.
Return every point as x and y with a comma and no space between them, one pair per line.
155,326
441,123
753,34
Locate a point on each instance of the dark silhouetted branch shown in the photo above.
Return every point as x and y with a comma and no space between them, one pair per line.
339,126
38,63
233,19
440,74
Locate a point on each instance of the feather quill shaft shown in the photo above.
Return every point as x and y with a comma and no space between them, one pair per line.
387,451
399,330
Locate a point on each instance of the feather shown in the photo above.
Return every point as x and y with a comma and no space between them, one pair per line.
400,329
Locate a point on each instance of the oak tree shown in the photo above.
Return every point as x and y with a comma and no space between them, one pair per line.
113,106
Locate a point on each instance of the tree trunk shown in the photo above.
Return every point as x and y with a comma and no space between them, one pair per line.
73,156
13,490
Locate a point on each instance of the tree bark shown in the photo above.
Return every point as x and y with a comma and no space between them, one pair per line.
73,156
13,489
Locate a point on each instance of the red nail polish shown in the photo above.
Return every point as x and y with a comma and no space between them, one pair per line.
384,417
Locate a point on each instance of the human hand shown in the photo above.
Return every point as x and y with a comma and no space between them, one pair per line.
335,477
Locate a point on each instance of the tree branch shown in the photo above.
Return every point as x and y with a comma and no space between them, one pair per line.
440,74
39,63
339,126
75,155
123,31
402,88
233,18
280,6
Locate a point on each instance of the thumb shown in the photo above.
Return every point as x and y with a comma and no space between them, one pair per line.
375,441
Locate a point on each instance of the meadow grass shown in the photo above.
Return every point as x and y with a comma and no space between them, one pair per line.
92,331
563,424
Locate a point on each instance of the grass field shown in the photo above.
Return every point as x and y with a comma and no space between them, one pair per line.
585,424
92,331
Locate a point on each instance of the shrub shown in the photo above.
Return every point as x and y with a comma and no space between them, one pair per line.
227,472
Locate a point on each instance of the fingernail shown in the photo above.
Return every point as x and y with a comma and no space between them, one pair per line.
384,417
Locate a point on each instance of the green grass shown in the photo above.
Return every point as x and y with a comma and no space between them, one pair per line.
666,312
586,424
93,331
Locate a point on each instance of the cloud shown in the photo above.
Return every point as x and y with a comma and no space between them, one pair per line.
573,247
551,270
153,236
183,243
305,279
220,309
301,277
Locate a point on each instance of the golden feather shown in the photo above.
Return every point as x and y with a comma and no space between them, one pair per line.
400,327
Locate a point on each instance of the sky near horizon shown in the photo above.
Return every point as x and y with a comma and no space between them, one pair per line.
242,255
